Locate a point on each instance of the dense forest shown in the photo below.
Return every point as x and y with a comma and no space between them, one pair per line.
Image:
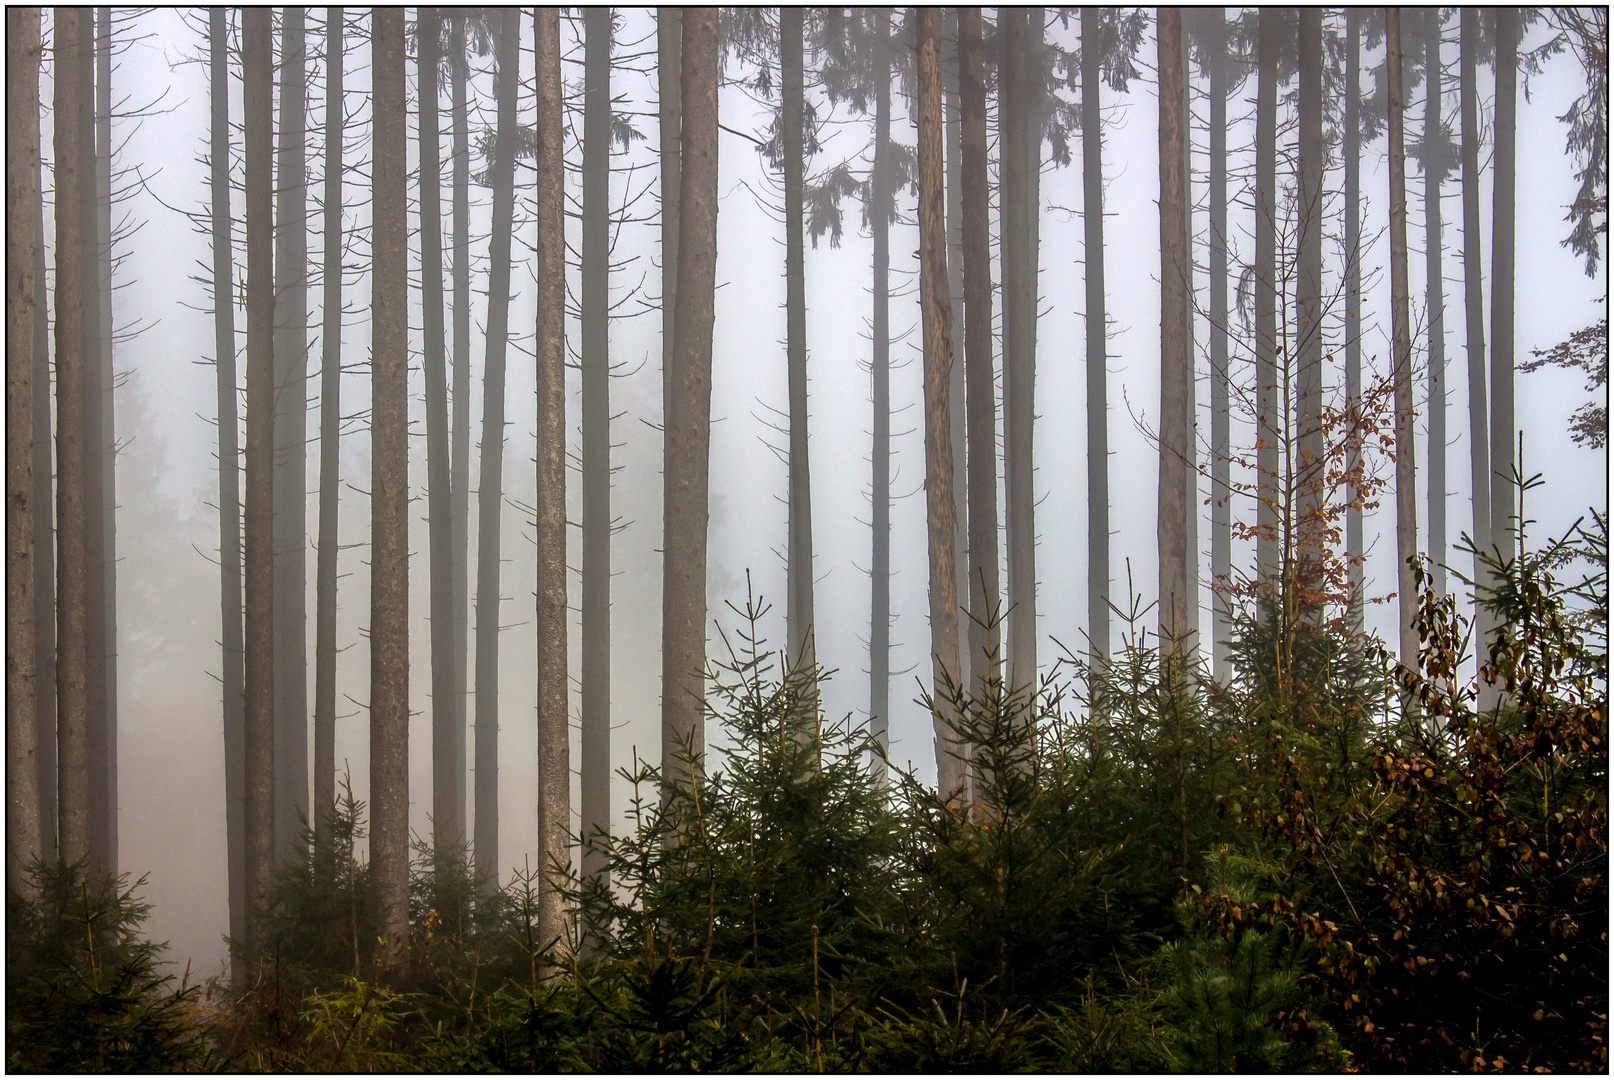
1226,718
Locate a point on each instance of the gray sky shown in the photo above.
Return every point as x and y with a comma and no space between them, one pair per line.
172,821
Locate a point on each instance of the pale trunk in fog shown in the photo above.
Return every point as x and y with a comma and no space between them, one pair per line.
460,452
1098,443
1176,600
1353,303
1434,171
1310,469
1479,417
1018,305
880,197
1266,297
1406,492
1221,433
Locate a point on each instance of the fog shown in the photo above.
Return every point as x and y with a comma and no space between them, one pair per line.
171,788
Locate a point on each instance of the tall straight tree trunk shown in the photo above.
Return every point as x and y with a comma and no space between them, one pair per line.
460,466
330,432
881,197
668,64
490,492
258,729
985,632
1018,305
1266,295
1176,607
291,444
952,123
234,674
1435,295
1479,440
104,629
803,654
1098,442
95,651
1311,470
44,538
1221,433
688,435
1353,304
596,328
554,769
22,294
937,317
1406,473
71,42
1503,536
448,790
1191,393
389,490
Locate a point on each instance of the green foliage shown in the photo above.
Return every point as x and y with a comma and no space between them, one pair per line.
85,992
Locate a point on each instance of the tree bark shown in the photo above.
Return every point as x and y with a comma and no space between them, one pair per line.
1221,429
1268,427
595,787
1354,551
1098,446
460,465
686,513
952,122
258,740
1308,316
937,314
1018,304
1434,173
1406,491
1479,439
22,288
668,49
389,491
802,651
490,492
44,539
986,628
1504,538
291,445
330,433
881,198
1175,597
554,770
95,651
233,673
448,790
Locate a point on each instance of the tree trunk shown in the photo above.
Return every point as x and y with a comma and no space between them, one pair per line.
1354,551
95,651
258,738
688,435
490,492
1098,443
881,198
1176,608
1406,475
986,628
554,769
668,48
1504,536
1479,440
802,651
448,792
1268,430
22,205
44,538
595,787
1434,174
234,675
330,432
938,347
1191,392
957,399
70,48
1018,405
1221,433
1312,470
291,445
460,466
389,490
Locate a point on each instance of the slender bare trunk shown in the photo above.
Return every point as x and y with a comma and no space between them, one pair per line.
1308,315
1479,440
103,624
668,49
686,513
985,634
44,539
1503,527
595,787
1176,606
460,465
95,650
1353,303
389,490
1268,429
1406,491
554,775
330,432
1221,432
880,198
490,492
234,675
1018,305
938,348
22,289
258,738
1098,442
448,786
952,121
1434,173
